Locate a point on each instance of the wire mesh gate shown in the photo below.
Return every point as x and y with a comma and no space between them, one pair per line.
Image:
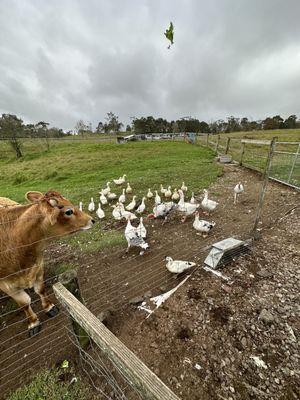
253,154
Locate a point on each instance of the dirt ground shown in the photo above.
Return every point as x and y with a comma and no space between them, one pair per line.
207,322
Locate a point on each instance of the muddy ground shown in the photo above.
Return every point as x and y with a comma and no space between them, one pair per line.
207,322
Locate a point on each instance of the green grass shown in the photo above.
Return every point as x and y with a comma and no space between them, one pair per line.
96,239
80,169
55,385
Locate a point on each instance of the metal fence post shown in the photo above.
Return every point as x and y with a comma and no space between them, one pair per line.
264,187
242,154
294,163
227,145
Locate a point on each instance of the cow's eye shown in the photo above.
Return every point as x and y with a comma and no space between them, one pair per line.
69,212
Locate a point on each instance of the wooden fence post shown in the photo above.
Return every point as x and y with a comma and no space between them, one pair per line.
263,187
69,280
242,154
139,375
207,140
227,145
217,144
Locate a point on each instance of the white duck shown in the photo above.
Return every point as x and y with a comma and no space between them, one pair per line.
178,266
157,198
141,230
193,200
238,189
129,188
80,206
175,195
122,197
91,206
100,213
185,207
120,180
106,190
202,226
184,187
111,196
132,204
149,194
103,199
207,204
126,214
142,206
133,240
162,189
117,212
168,192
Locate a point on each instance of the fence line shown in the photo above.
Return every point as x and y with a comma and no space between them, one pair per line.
253,154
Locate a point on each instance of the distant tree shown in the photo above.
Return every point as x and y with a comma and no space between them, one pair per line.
100,127
245,126
273,122
112,123
29,130
12,127
174,126
81,128
41,129
279,121
56,133
128,128
204,127
233,124
291,122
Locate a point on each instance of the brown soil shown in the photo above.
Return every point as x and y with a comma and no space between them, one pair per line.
205,322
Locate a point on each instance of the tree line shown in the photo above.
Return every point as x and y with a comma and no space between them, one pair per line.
188,124
13,128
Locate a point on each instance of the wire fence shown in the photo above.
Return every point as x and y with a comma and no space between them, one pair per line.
110,279
285,164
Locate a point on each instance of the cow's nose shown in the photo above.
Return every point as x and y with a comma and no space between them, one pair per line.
93,221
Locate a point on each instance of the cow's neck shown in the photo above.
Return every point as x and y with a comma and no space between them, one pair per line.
30,226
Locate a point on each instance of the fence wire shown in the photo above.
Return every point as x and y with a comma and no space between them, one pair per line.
110,287
285,164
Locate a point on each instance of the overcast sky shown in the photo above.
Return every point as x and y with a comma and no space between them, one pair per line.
64,60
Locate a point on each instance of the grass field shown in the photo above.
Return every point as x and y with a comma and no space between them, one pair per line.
79,170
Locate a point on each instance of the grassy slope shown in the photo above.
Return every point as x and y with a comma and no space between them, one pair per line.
76,168
79,170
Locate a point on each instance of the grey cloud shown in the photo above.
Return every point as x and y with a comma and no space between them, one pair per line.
65,60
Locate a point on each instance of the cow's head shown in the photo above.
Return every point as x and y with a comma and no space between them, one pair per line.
60,216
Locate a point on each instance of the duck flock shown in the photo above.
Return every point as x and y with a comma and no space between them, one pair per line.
166,201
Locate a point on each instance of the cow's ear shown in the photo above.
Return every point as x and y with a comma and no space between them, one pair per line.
33,197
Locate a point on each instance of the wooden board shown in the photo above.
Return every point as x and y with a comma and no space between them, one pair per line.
253,141
136,372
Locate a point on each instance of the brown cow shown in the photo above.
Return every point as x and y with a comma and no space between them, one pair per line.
24,232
